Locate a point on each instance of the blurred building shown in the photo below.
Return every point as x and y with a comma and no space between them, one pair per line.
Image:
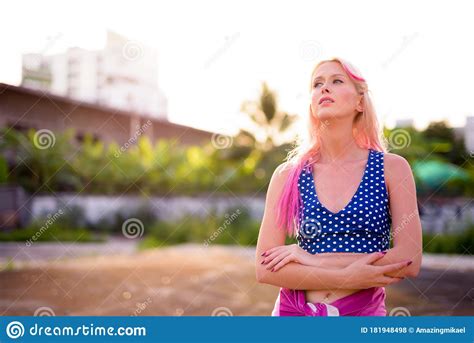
469,134
123,75
23,108
400,123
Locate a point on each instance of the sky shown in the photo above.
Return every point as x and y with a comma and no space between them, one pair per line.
213,55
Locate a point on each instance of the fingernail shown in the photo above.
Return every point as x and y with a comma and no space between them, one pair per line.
273,269
409,263
263,253
384,252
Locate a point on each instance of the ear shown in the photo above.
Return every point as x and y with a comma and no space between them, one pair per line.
360,104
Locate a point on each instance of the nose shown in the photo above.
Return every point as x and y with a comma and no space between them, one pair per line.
324,89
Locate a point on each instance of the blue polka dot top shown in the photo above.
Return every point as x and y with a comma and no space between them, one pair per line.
363,226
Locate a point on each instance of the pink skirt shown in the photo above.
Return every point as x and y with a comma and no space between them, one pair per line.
366,302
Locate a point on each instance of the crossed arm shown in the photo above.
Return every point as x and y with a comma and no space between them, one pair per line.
325,271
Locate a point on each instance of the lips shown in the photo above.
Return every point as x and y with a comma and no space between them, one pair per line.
325,98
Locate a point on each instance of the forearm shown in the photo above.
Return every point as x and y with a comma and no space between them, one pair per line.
333,260
398,254
297,276
342,260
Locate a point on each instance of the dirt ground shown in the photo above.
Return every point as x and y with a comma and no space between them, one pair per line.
191,280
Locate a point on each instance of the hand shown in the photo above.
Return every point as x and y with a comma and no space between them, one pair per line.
361,274
275,258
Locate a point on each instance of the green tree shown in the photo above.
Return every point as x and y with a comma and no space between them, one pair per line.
270,124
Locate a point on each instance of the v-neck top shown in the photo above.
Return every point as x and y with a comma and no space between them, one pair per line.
362,226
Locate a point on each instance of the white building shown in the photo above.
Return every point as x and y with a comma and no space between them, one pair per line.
469,135
123,75
400,123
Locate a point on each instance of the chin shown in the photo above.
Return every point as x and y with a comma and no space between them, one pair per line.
325,115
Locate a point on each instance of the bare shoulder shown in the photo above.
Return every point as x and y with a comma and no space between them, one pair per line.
396,168
396,162
278,179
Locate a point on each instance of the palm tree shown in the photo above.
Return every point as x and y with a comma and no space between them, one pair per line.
269,123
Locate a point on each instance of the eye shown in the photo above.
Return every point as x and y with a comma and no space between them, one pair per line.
317,83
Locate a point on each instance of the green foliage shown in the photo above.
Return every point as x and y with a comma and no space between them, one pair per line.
164,168
36,167
269,122
9,265
453,243
235,227
66,224
436,142
113,224
35,233
3,170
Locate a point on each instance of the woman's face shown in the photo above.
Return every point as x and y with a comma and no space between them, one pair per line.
330,80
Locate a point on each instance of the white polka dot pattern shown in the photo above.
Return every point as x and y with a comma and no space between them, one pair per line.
362,226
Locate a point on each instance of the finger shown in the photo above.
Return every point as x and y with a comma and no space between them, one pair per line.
389,268
274,254
283,262
274,251
388,280
371,258
277,259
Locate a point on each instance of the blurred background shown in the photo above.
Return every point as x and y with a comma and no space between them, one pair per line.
137,141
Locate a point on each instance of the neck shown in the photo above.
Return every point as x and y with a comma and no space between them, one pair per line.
337,142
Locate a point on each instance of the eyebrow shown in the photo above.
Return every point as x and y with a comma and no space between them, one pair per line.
319,77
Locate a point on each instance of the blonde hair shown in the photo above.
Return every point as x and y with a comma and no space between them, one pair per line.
366,132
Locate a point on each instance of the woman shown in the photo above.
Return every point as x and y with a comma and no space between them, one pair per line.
339,193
